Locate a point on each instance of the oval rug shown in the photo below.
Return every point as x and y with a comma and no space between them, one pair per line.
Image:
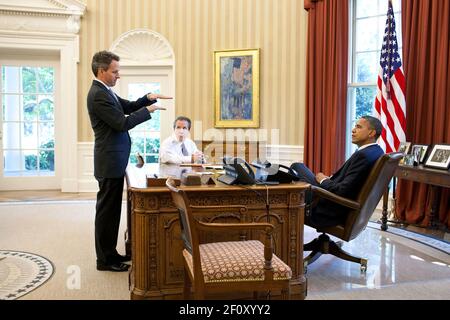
21,273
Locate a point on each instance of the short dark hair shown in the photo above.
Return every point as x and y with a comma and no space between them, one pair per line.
182,118
102,60
375,124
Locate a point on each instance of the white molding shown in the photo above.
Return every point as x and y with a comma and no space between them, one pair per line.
43,7
284,154
142,47
55,16
43,26
86,180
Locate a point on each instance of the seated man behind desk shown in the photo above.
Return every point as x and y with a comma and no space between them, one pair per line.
179,148
348,180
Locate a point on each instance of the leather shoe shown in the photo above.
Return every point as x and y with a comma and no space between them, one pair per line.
117,267
120,258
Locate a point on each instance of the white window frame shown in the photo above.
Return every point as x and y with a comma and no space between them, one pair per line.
352,72
37,181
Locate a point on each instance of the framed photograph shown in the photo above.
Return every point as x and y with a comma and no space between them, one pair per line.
236,88
404,147
419,151
439,157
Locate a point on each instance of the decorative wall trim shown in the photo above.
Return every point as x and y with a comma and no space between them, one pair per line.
284,154
86,180
50,26
60,16
142,47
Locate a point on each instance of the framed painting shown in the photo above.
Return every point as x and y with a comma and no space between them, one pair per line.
236,88
439,157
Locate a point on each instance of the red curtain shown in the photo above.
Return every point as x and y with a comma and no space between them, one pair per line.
326,88
426,59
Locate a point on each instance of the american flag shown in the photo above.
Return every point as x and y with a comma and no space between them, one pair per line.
390,105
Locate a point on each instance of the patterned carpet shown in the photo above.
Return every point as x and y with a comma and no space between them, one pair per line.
21,273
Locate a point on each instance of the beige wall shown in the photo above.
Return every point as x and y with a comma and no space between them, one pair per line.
195,28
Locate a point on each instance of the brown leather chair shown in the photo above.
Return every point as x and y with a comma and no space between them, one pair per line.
360,211
227,267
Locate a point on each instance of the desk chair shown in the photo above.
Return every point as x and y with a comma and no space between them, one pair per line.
227,267
360,211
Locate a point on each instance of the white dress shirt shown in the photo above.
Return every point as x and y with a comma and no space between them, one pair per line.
170,150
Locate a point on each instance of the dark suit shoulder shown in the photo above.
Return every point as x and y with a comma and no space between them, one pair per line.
371,153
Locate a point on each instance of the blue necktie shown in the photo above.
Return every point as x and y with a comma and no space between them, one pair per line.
113,94
183,150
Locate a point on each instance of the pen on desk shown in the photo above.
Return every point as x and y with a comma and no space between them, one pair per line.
155,175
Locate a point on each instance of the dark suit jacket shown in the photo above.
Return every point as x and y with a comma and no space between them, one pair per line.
110,125
346,182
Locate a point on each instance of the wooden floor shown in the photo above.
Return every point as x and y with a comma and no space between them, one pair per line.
55,195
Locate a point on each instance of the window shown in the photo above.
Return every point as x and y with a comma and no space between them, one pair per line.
27,103
146,136
367,24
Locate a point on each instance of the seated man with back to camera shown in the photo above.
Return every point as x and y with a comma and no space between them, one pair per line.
348,180
179,148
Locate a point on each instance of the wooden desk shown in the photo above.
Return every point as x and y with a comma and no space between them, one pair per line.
157,270
434,177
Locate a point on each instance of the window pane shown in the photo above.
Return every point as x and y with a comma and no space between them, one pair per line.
29,80
46,108
46,135
11,135
29,135
137,90
152,159
137,145
366,67
10,76
366,34
365,98
382,6
152,145
11,110
366,8
30,109
396,5
47,160
12,162
45,80
140,134
30,160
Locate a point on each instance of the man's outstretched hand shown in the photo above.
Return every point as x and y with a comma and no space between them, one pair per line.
153,108
154,96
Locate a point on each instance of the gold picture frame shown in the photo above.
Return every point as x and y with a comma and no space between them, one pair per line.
236,88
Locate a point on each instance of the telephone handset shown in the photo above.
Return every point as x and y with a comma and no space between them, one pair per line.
268,172
237,171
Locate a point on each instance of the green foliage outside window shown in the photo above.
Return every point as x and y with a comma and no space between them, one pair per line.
151,150
46,158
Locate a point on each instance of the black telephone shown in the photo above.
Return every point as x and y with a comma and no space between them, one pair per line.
237,171
269,173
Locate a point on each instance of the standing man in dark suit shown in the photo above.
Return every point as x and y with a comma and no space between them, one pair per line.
348,180
111,151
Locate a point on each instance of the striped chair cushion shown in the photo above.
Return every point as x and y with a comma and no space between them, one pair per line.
236,261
